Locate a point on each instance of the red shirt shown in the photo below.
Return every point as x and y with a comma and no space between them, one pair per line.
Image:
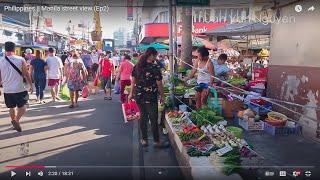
106,67
126,68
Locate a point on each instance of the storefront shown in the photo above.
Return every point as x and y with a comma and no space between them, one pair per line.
153,31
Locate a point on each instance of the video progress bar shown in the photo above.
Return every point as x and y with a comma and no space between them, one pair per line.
52,167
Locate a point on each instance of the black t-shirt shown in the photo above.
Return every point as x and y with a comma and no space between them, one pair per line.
146,89
63,58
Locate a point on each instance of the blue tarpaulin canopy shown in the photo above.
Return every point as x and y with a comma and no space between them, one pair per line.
157,46
241,29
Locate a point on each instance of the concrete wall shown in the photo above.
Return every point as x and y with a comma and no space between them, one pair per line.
295,64
296,44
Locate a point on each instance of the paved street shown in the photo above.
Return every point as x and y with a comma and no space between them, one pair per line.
92,135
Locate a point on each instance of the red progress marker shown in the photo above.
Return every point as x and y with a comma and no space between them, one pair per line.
26,167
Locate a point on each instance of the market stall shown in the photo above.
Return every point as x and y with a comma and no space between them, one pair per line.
213,136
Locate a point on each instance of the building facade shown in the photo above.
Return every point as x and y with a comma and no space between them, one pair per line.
154,17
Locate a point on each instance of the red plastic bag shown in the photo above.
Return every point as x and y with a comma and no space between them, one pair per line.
130,111
85,92
260,74
96,81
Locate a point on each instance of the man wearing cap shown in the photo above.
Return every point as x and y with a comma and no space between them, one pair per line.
29,56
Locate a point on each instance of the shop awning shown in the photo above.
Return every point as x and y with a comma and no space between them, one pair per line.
157,46
241,29
196,42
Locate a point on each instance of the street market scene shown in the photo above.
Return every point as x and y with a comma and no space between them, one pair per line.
159,89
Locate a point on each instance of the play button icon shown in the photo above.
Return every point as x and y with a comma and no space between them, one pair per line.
13,173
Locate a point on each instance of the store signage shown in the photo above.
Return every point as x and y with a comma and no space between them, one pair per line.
195,30
161,30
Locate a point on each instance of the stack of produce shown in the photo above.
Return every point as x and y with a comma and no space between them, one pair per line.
187,136
166,88
221,137
176,81
168,103
238,81
180,90
205,116
175,114
248,114
182,70
192,82
229,163
190,92
197,152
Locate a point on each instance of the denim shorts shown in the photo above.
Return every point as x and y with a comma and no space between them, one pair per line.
201,87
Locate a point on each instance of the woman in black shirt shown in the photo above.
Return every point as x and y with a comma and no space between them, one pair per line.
145,87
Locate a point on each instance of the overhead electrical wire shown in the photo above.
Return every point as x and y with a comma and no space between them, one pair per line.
247,93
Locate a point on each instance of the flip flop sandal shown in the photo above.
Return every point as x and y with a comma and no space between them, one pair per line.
71,106
16,126
110,98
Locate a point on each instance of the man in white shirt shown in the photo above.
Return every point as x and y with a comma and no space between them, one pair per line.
116,63
13,69
116,60
55,73
95,58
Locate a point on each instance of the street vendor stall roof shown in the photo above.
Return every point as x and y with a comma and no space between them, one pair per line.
241,29
154,45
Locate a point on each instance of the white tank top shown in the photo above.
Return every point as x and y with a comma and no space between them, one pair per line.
203,74
12,81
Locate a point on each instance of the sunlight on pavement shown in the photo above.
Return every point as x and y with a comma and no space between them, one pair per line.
38,124
49,117
37,136
43,145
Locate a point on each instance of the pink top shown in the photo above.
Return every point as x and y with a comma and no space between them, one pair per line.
126,68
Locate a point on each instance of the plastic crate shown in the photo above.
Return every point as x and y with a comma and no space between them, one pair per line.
282,131
259,110
257,90
254,126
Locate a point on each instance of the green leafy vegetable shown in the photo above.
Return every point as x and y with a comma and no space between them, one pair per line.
205,116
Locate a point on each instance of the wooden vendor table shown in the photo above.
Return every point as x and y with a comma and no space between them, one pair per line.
194,168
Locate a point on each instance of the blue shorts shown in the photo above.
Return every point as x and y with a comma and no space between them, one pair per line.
201,87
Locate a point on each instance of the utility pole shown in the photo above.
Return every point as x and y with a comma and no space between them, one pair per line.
175,44
186,44
171,50
98,27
